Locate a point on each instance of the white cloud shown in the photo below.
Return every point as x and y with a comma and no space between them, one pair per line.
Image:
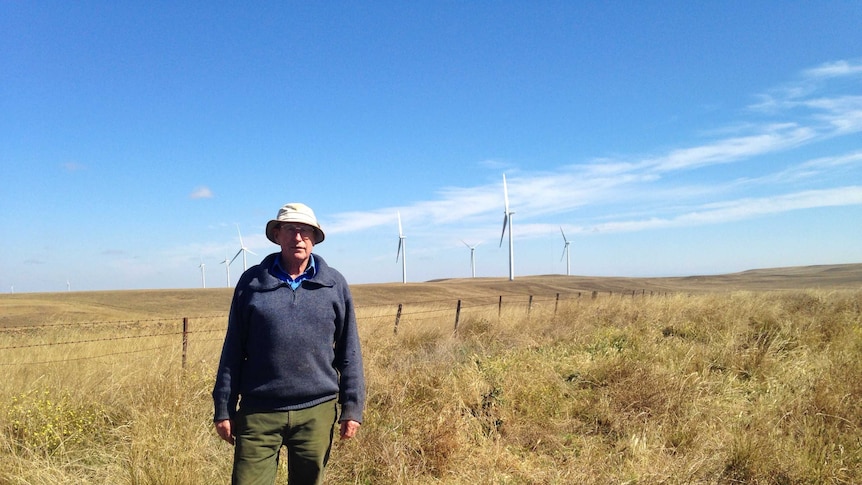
201,192
73,167
835,69
742,209
666,190
776,137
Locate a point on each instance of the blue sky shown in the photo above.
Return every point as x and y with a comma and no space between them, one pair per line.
665,138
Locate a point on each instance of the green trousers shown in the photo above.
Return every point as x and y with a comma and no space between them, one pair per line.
306,433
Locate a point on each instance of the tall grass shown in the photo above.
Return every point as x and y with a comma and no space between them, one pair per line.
717,388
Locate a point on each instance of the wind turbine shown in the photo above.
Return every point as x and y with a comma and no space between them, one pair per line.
507,221
565,250
472,257
402,251
68,286
242,250
203,268
226,264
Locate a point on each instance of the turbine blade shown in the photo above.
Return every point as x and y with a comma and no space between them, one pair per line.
400,232
505,195
400,244
505,223
564,234
564,252
235,256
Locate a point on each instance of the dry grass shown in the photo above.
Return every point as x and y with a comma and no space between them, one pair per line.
739,387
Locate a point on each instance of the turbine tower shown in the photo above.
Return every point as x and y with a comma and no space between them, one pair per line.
472,257
203,268
565,250
402,251
242,250
507,221
226,264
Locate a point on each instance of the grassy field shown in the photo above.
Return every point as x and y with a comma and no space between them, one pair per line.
746,378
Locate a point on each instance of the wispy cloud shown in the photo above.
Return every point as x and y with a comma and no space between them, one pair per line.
201,192
656,190
835,69
772,138
73,167
743,209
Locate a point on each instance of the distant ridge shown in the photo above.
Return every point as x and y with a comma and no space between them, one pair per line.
38,308
837,276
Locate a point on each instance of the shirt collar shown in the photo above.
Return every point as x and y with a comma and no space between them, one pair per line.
278,271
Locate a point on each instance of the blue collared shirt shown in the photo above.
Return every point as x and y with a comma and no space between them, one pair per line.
281,274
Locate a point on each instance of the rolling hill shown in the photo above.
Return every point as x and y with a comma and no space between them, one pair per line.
22,309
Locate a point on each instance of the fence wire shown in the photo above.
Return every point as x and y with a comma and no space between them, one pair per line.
441,310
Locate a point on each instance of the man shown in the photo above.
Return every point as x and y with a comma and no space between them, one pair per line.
290,355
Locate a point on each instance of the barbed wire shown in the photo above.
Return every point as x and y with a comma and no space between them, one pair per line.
166,320
71,342
467,305
89,357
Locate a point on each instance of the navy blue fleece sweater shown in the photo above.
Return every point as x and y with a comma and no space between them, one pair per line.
290,349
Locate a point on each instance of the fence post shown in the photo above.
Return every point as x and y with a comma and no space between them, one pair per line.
500,307
556,304
185,340
397,319
530,305
457,315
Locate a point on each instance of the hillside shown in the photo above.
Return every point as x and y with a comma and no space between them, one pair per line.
39,308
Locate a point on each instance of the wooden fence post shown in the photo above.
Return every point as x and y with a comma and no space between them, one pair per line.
185,340
457,315
530,305
397,319
500,307
556,304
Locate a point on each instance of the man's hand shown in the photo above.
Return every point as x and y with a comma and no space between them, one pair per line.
224,428
349,429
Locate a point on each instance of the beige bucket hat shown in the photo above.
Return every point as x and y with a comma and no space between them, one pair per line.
298,213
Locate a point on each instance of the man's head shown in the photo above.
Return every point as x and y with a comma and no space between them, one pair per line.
293,214
296,230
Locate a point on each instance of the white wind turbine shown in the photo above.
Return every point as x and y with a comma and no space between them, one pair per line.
472,257
203,268
242,250
507,221
565,250
226,264
402,251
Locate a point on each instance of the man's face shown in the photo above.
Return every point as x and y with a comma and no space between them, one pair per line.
296,241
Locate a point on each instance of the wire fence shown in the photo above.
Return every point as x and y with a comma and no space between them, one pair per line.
201,336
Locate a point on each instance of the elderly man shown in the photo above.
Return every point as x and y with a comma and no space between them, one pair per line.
291,355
